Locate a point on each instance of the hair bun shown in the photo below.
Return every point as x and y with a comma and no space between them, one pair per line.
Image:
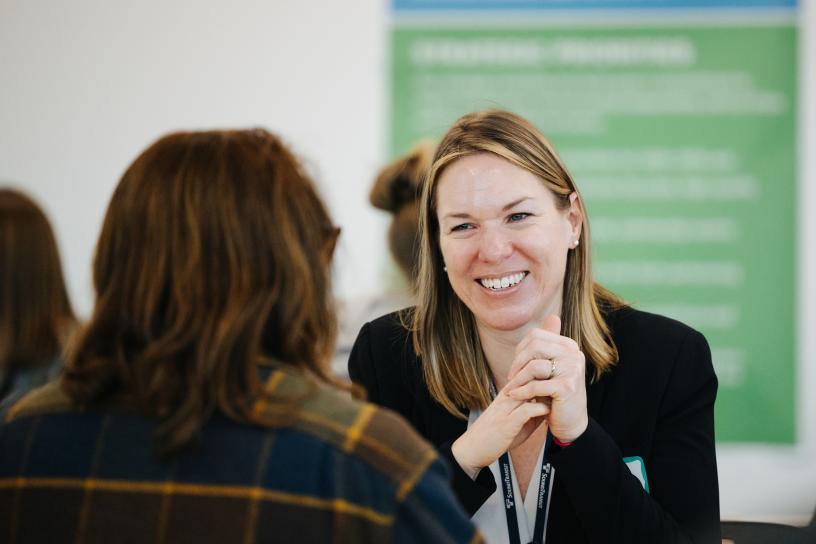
399,183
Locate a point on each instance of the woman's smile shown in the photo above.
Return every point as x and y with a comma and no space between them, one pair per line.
503,283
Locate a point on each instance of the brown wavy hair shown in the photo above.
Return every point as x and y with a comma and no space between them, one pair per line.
35,313
444,329
214,256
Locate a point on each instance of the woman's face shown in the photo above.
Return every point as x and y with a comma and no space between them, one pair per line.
503,240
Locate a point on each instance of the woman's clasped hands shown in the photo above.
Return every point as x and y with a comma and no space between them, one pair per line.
546,383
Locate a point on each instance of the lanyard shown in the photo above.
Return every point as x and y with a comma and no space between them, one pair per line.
543,504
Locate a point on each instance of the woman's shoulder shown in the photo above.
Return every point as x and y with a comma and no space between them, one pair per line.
627,323
384,353
658,342
390,333
663,363
397,320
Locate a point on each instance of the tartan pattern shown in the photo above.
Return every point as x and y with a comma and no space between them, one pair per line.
333,470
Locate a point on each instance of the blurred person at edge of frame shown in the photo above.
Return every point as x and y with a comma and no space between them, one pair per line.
36,319
566,414
396,190
197,404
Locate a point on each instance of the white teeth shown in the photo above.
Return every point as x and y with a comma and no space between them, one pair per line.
504,282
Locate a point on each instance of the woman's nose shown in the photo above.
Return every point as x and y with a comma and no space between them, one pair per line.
494,245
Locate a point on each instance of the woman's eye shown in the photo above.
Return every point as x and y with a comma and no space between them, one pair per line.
516,217
463,226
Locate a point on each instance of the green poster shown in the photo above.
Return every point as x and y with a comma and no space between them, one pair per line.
682,139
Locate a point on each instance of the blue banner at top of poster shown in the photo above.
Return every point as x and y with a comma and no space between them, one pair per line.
513,5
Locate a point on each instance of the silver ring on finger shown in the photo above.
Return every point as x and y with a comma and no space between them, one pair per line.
552,369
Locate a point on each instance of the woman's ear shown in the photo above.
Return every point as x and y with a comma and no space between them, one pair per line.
575,215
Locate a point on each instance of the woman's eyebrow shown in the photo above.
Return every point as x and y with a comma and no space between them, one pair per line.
460,215
515,203
465,215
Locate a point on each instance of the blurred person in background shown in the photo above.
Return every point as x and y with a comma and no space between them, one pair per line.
566,414
197,404
396,190
36,318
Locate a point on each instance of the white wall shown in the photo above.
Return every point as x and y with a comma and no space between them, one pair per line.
85,85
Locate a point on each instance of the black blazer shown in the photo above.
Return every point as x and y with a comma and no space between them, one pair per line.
656,403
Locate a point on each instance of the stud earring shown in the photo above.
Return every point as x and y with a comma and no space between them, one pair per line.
574,244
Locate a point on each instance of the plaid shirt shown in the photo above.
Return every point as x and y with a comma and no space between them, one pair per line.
336,471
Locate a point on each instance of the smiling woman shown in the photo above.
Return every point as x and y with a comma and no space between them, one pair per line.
504,241
498,163
522,370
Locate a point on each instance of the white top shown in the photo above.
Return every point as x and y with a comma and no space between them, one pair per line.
491,518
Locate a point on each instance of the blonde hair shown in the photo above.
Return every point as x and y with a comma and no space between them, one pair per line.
444,329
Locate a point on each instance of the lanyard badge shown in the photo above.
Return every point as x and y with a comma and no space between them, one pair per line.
543,502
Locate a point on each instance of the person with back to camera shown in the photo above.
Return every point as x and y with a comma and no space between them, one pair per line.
568,416
36,319
197,404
